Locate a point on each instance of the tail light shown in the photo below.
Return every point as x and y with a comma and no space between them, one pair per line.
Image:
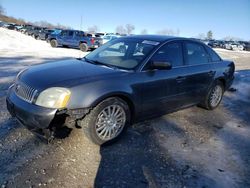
92,40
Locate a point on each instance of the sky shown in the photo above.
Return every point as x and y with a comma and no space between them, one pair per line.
189,17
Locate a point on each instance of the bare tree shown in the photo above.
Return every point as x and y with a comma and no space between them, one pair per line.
129,28
209,35
43,24
120,29
1,10
144,32
93,29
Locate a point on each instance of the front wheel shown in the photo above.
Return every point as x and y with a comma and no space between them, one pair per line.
107,120
214,96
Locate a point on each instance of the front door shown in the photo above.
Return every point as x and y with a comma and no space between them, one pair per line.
163,90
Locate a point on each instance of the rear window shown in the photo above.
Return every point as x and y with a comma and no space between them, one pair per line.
213,55
196,54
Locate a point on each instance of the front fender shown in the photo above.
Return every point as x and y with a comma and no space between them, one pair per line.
90,94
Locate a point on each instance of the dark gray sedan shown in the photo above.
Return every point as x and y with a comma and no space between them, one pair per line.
128,79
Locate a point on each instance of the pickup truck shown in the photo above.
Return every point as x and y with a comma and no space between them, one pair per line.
75,39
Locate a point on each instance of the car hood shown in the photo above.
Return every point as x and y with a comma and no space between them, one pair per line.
64,73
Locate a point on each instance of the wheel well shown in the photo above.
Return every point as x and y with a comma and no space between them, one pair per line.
83,42
129,103
222,80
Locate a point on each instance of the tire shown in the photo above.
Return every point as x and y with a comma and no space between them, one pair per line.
53,43
214,96
100,127
38,37
83,47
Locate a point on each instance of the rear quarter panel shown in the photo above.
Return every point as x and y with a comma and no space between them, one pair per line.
225,72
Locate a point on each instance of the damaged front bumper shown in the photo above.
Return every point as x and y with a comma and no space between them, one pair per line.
40,120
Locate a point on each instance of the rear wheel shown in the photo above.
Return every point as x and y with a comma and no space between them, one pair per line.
107,120
83,47
214,96
53,43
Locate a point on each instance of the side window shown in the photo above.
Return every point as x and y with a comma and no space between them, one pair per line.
214,56
64,33
171,53
196,54
70,34
77,33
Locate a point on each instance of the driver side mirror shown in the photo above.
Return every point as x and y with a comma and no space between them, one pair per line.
161,65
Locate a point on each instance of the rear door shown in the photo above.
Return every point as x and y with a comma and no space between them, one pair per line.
61,38
74,39
68,39
199,71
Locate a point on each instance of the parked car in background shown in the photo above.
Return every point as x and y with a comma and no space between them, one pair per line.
25,28
237,46
247,46
18,27
2,23
53,34
35,33
75,39
244,44
107,90
234,46
32,31
9,26
205,41
107,38
214,43
43,34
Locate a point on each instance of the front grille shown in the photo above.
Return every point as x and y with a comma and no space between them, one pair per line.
25,92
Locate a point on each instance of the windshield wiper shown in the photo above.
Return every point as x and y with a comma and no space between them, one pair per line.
99,63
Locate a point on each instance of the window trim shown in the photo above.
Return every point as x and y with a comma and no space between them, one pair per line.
210,57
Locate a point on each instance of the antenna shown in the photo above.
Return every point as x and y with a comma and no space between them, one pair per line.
81,24
81,30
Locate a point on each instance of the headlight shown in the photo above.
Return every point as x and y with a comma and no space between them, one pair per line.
55,97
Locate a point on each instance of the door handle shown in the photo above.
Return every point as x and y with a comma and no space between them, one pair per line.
180,79
211,73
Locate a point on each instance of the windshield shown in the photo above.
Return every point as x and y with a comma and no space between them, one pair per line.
122,53
56,31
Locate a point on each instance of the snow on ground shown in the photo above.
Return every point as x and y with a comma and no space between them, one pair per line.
189,148
18,51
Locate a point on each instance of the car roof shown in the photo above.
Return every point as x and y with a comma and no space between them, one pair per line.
73,30
158,38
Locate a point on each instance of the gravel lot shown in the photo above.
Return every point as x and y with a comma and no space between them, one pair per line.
188,148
